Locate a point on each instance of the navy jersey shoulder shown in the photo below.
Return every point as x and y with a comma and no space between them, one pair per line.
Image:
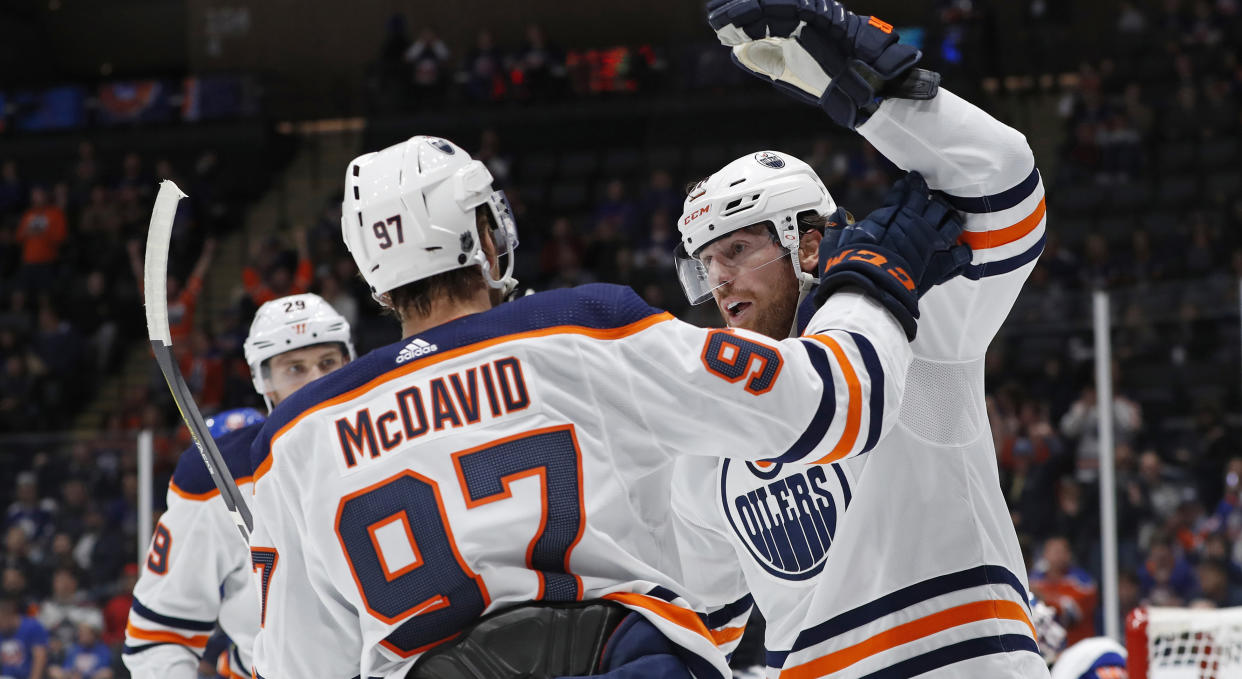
598,306
191,473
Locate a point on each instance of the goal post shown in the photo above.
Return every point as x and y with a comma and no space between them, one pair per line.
1184,643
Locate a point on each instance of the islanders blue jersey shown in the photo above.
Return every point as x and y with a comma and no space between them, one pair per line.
197,573
526,454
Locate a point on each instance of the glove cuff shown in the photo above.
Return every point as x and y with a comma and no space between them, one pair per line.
882,274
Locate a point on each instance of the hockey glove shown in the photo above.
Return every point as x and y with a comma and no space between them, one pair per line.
897,253
821,53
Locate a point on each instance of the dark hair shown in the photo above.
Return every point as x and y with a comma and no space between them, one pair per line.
457,285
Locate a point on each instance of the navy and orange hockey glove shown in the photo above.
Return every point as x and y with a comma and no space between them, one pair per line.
897,253
823,54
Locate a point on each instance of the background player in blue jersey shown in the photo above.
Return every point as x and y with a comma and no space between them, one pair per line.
23,642
198,573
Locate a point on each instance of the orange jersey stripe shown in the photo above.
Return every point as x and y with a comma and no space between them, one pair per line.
980,240
198,641
908,632
728,634
853,417
594,333
673,613
203,497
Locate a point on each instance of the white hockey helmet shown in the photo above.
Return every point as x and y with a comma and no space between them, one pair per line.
289,323
409,213
764,186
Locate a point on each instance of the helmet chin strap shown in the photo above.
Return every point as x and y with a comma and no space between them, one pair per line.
805,282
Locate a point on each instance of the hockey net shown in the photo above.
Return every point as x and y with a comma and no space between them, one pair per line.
1184,643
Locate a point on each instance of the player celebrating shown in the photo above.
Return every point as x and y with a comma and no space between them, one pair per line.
913,567
519,453
198,571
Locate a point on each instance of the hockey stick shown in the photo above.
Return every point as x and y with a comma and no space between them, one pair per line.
155,280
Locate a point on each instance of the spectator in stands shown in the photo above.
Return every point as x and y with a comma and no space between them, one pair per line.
1166,578
19,391
660,196
1067,588
182,301
540,65
88,657
41,232
19,556
105,544
830,164
116,611
12,189
499,164
58,346
428,60
1161,493
330,289
618,209
66,608
23,642
1078,426
134,177
484,70
396,43
1214,585
563,246
96,314
277,279
28,511
1130,21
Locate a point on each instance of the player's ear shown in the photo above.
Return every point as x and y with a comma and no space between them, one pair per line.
808,250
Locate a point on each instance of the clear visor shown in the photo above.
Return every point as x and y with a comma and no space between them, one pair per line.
722,262
504,235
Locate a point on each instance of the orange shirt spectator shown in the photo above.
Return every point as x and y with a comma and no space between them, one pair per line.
181,300
279,281
42,230
1067,588
262,291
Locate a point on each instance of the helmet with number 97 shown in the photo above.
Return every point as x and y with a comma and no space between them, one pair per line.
409,214
764,186
289,323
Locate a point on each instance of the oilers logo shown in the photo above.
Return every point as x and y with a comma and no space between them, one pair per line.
440,145
769,159
786,515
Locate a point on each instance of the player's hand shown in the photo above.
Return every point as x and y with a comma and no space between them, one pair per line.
821,53
898,252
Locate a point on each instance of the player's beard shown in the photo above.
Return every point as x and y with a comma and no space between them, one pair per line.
774,307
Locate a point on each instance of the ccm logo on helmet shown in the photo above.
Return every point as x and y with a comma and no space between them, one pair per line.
695,215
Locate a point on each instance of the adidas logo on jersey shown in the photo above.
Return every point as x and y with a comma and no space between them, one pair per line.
415,349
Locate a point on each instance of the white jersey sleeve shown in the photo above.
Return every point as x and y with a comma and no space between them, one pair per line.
988,172
196,574
526,454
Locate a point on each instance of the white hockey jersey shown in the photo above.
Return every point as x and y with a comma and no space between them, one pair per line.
197,572
525,453
903,561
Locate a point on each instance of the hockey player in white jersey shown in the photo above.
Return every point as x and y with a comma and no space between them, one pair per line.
901,562
500,455
198,572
